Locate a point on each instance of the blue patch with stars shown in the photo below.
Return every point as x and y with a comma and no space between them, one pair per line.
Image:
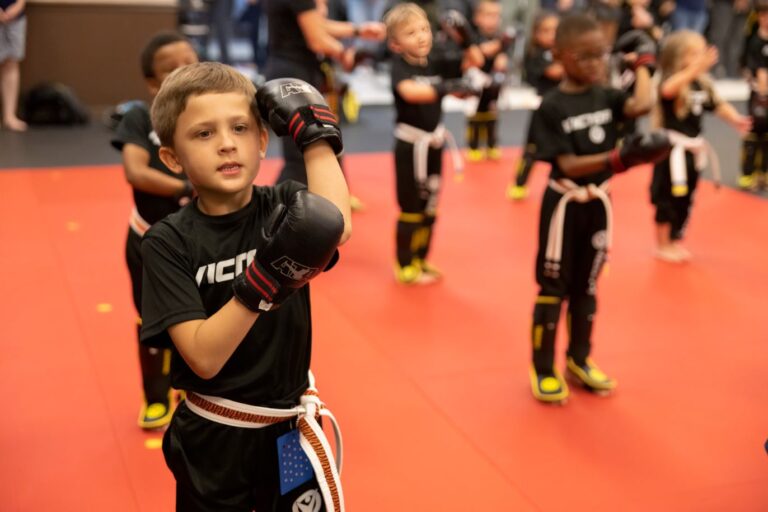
295,468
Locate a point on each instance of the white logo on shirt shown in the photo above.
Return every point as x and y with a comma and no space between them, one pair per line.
697,100
224,270
584,121
310,501
154,139
596,134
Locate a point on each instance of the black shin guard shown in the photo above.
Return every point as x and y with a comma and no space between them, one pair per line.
408,227
524,167
155,373
581,314
490,132
423,238
473,134
749,154
546,315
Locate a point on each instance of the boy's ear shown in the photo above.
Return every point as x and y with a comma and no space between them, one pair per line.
263,141
154,86
169,158
394,46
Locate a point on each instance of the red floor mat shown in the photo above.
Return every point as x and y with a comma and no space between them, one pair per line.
430,384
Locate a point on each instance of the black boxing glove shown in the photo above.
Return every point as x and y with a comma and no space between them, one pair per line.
299,241
640,43
456,26
461,87
640,148
293,107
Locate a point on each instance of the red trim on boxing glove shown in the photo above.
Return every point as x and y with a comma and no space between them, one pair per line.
646,59
614,161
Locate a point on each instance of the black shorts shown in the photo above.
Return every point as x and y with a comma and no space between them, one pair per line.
584,247
413,197
135,265
219,468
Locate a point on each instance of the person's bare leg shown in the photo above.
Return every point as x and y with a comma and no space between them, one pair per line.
665,250
9,89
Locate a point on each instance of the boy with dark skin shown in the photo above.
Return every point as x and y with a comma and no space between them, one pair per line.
575,130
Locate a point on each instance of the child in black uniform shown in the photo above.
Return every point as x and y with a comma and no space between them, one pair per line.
686,91
575,130
494,45
754,160
157,192
225,278
420,138
543,73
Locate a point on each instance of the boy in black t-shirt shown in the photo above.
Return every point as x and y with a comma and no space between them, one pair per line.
575,130
755,145
493,42
225,278
157,192
418,91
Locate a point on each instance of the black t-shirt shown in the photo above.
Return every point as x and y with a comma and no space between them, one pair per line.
756,53
537,60
421,115
699,98
578,124
489,60
190,261
136,128
286,40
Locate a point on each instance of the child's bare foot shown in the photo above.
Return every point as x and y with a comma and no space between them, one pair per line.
684,253
668,253
15,124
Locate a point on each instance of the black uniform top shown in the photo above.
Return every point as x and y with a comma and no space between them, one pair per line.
699,98
5,4
489,60
537,60
286,40
577,124
421,115
756,53
190,261
136,128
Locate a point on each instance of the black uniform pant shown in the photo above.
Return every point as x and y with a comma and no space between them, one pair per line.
417,201
671,209
219,468
525,164
574,280
754,153
482,125
154,362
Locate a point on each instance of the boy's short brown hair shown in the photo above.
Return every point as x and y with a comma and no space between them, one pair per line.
194,80
401,13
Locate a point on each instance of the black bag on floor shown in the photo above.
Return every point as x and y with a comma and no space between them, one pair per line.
53,103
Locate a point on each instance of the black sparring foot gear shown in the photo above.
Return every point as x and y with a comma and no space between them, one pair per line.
590,377
549,387
156,415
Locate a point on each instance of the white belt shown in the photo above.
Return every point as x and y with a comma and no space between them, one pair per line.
311,436
702,153
138,224
581,194
422,140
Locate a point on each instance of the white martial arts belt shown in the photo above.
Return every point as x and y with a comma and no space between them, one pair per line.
581,194
702,154
137,224
422,140
311,436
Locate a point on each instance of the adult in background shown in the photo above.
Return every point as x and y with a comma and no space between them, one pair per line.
13,35
728,20
690,15
299,34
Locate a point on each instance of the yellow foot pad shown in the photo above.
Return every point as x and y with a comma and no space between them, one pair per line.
591,377
549,388
494,154
475,155
155,415
517,193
